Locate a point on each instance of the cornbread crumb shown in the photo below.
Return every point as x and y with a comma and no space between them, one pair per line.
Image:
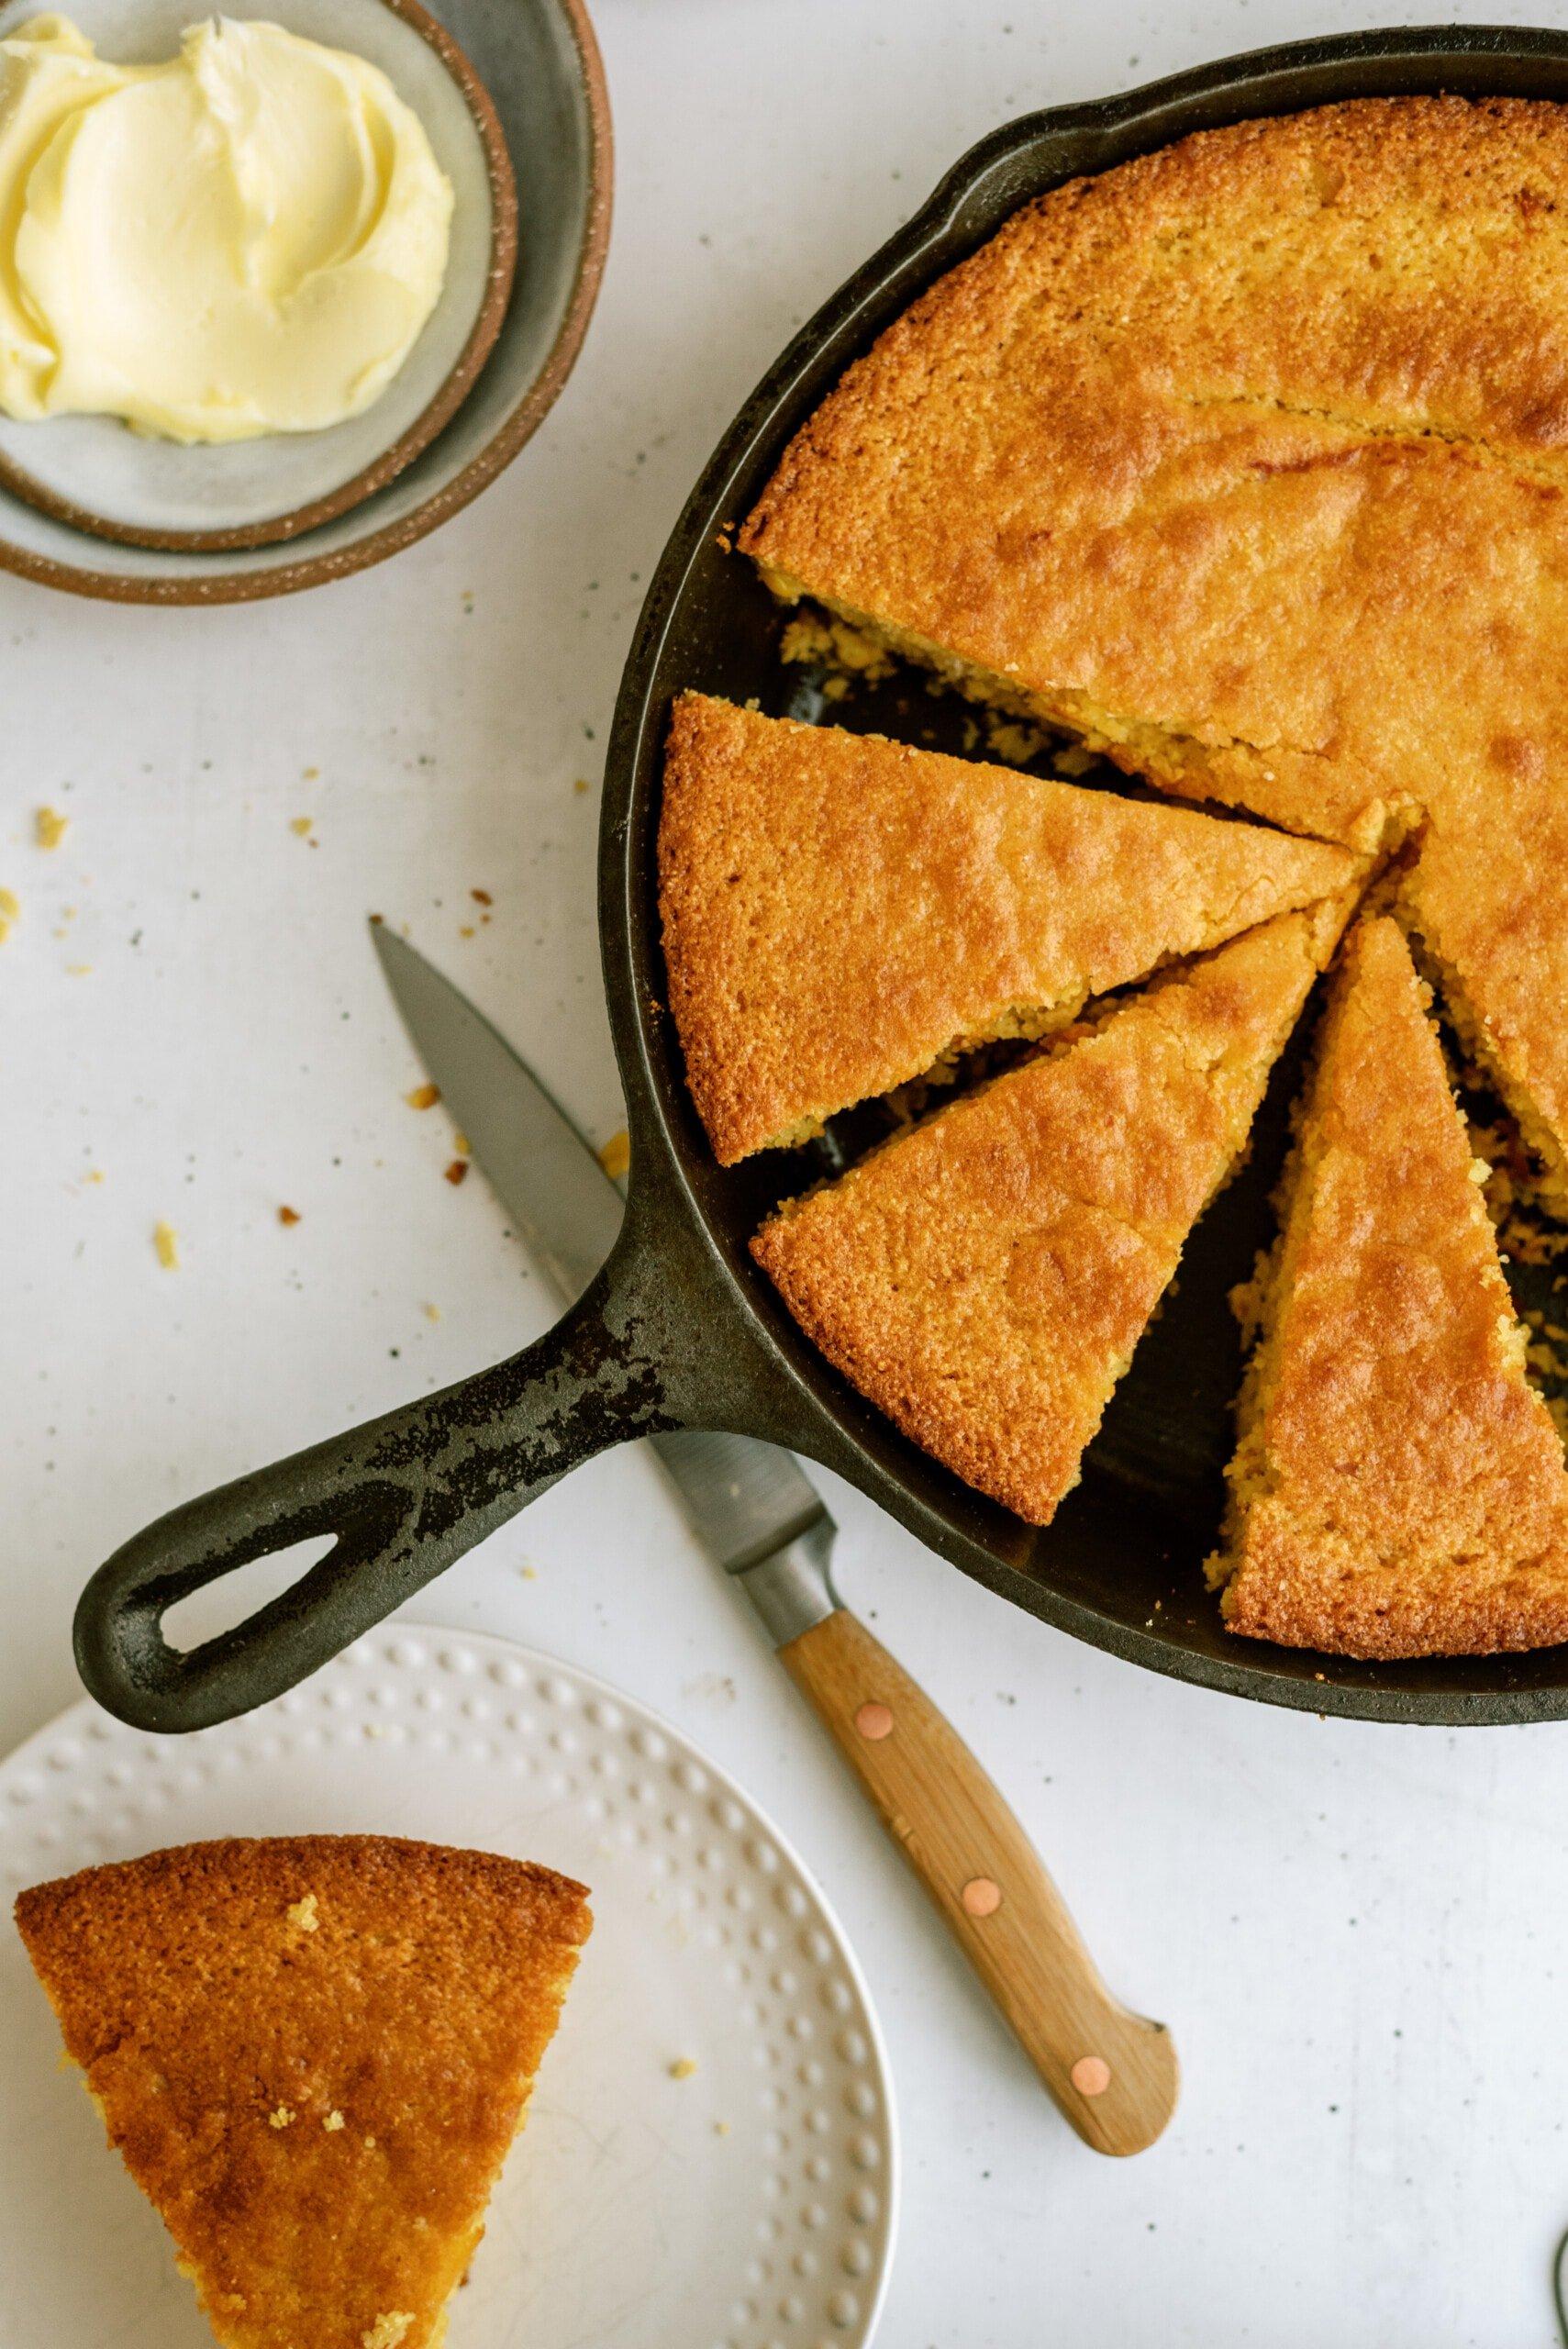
424,1096
683,2068
288,1215
582,784
10,912
387,2330
821,640
166,1241
461,1144
281,2118
305,1914
309,775
457,1171
614,1156
50,826
432,1312
333,2122
1012,740
301,824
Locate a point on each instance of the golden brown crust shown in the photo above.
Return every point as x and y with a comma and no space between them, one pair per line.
985,1278
313,2053
1399,1488
840,910
1247,459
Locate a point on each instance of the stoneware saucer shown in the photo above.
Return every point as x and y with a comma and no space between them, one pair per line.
711,2160
512,96
89,470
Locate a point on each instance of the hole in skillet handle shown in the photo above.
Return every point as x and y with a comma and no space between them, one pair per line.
405,1496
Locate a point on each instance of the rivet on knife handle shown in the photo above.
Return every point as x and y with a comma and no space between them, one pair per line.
1114,2074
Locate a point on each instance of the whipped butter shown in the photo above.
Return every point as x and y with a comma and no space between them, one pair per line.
246,239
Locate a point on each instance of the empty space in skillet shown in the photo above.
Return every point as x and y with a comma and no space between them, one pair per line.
95,473
1122,1563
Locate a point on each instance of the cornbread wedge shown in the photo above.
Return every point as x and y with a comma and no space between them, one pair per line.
1246,461
841,911
313,2053
1398,1489
985,1278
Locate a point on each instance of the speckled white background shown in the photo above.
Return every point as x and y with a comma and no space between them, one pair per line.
1357,1933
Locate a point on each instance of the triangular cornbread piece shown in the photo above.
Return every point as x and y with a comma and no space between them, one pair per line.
1398,1489
1246,461
840,910
986,1278
313,2053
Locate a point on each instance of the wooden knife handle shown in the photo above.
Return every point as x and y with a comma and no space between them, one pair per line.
1113,2074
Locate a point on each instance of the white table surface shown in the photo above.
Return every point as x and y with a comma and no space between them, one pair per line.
1356,1932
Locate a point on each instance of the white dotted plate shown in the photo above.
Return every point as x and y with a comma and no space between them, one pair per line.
746,2205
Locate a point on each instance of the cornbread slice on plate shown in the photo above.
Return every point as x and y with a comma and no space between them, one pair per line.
1246,461
985,1278
312,2052
1398,1489
841,911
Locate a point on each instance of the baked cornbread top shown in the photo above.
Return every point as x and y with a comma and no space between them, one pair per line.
840,910
1399,1487
313,2053
1246,460
985,1278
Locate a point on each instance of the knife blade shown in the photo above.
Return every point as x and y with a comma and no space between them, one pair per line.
749,1503
1112,2074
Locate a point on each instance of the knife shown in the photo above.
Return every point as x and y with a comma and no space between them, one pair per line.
1112,2073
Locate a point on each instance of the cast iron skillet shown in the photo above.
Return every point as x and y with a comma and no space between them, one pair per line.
680,1328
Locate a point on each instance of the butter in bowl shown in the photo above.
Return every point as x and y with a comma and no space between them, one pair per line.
251,270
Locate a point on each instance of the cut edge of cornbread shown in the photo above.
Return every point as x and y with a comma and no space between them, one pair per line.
1182,763
1018,1023
1254,1303
1473,1034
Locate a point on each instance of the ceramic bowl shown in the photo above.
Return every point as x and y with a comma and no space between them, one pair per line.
492,369
142,491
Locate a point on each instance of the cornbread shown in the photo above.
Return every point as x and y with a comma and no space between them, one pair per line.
313,2053
1398,1489
985,1278
841,911
1245,461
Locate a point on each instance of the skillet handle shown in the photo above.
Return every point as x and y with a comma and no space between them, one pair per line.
404,1494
